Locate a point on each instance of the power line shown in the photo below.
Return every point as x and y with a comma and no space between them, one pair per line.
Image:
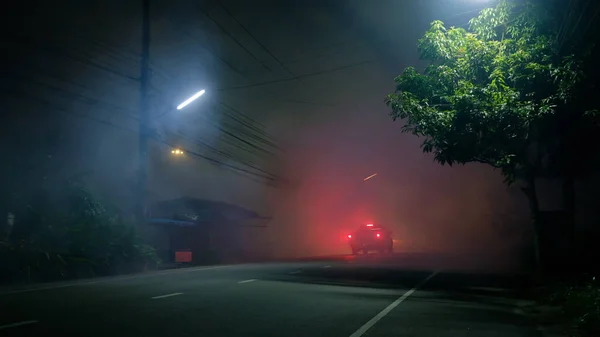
109,48
255,133
108,106
95,101
226,32
42,101
225,154
92,101
125,53
353,65
215,161
63,52
68,93
91,48
295,77
256,40
112,107
242,140
260,130
120,127
185,32
223,130
322,51
239,137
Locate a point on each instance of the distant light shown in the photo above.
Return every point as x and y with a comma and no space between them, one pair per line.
176,151
369,177
190,100
378,235
369,225
349,236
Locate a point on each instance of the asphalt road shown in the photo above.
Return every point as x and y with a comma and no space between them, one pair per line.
368,296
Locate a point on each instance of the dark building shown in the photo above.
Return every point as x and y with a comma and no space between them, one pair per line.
212,231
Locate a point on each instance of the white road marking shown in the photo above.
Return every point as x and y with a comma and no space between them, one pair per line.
167,295
246,281
363,329
14,325
295,272
111,279
327,267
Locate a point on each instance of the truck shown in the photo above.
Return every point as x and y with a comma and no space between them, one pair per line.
371,237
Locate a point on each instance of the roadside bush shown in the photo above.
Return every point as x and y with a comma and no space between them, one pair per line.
72,236
580,304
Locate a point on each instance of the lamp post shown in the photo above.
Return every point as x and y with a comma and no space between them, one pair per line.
143,148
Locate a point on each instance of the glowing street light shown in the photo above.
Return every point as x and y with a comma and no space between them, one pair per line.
190,100
182,105
177,152
369,177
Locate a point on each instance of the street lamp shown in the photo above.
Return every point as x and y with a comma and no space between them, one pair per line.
184,104
190,100
369,177
143,142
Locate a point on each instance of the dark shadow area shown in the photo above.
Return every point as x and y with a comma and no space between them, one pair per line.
460,299
400,272
488,314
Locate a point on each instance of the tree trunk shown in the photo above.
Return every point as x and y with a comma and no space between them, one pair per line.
534,208
568,193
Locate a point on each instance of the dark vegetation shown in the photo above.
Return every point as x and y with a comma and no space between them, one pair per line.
571,308
69,235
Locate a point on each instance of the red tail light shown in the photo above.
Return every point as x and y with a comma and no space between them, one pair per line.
378,235
349,236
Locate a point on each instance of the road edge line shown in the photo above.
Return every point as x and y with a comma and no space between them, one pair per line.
165,296
365,327
247,281
17,324
111,279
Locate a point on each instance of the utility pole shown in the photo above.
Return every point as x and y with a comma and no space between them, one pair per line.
144,115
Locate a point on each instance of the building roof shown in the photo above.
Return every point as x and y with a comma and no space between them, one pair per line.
188,209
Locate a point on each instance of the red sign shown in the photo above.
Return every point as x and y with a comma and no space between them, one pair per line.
183,256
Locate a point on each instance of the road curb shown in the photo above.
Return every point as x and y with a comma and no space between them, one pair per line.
19,288
544,330
81,282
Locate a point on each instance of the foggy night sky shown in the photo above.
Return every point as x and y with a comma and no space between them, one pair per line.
334,128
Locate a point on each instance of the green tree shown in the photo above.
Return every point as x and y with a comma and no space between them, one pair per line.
488,93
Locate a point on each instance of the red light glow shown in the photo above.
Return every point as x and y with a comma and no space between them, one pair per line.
349,236
370,225
378,235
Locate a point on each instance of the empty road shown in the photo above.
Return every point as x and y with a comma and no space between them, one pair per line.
344,297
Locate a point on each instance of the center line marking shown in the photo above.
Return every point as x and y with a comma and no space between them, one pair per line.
327,267
167,295
14,325
363,329
246,281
